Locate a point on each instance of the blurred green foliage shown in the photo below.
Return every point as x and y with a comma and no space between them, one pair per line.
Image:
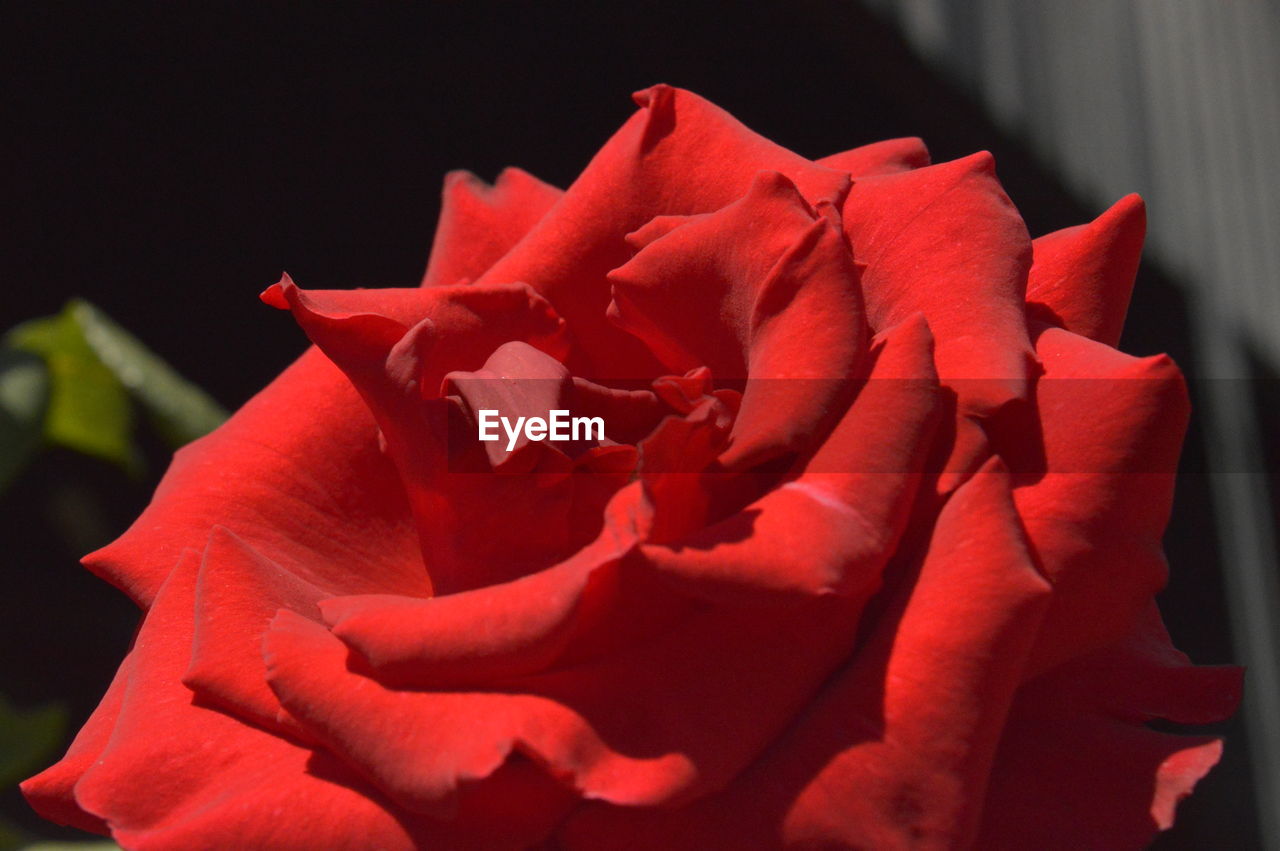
89,410
77,380
179,410
24,401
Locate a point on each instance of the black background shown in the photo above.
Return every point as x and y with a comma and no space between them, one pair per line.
168,161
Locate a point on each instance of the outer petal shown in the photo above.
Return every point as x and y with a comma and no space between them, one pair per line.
1075,743
946,241
1081,277
690,722
1095,461
895,750
314,491
886,157
176,775
479,223
421,748
679,155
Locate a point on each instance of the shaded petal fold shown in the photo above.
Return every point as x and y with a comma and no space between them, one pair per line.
832,528
238,591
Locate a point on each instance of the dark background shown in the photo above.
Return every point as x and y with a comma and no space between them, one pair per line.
168,161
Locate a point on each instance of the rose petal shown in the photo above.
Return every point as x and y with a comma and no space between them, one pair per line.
177,775
682,481
833,528
314,491
946,241
1052,775
499,631
1069,729
523,626
517,381
1095,463
689,723
764,288
479,223
394,366
889,156
1140,677
359,329
895,750
1082,276
238,591
552,643
629,414
679,155
406,742
703,288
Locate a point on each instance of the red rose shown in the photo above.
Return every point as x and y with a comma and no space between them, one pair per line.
851,569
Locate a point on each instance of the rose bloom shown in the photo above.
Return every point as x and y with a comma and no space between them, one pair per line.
851,568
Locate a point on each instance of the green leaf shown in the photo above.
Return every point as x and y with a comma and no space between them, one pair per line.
24,400
99,845
180,411
93,367
89,410
27,739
